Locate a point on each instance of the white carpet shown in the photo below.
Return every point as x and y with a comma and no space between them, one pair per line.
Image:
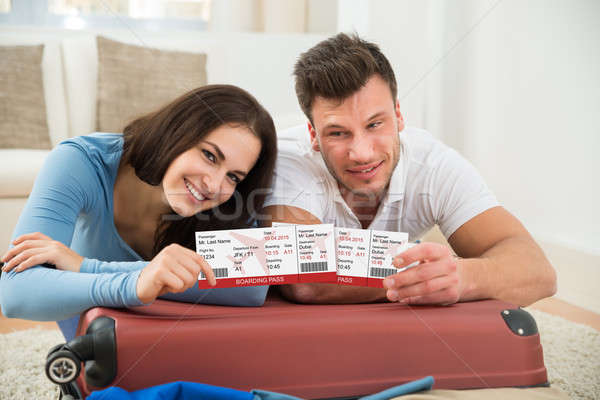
571,352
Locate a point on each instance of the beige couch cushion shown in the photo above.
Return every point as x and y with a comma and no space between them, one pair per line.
135,80
18,169
23,123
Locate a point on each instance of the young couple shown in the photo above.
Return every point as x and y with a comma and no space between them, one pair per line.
104,204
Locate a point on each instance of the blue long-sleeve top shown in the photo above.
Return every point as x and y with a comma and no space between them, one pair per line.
72,202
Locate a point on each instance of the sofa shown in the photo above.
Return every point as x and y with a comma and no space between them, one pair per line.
259,63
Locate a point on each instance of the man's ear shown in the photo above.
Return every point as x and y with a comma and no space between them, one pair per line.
399,117
313,137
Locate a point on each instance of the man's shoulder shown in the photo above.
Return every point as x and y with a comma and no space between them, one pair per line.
296,157
422,148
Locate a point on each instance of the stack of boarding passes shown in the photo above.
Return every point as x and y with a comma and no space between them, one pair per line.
286,254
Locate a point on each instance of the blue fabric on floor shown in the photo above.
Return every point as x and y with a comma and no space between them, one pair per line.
410,387
196,391
264,395
173,391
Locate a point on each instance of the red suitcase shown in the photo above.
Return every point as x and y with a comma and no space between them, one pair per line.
311,351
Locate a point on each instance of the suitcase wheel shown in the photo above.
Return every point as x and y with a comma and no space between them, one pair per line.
62,367
54,349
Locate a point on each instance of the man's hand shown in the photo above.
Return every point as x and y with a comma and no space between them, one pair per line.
436,280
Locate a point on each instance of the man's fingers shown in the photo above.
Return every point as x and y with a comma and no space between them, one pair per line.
443,297
423,288
420,273
421,252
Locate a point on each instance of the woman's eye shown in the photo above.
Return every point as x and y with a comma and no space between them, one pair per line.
211,157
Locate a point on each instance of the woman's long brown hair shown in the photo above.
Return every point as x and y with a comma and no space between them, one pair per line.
152,142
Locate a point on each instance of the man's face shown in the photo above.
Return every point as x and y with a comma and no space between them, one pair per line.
358,138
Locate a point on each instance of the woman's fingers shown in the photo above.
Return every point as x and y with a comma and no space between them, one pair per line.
187,277
195,263
28,244
31,262
206,268
173,283
17,260
29,236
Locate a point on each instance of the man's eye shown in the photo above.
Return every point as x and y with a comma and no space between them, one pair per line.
211,157
374,124
234,178
336,133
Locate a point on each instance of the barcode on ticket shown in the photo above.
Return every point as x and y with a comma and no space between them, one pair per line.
219,273
313,267
377,272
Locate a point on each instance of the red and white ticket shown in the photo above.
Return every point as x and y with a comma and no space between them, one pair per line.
384,246
268,256
316,253
352,251
364,257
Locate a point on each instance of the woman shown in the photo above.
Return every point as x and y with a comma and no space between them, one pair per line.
103,203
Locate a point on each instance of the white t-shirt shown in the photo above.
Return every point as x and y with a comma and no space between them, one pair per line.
431,184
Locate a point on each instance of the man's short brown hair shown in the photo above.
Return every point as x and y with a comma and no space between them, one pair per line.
338,67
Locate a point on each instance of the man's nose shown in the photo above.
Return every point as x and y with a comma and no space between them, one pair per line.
361,149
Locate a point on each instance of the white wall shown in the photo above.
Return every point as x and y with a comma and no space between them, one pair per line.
529,76
515,87
400,28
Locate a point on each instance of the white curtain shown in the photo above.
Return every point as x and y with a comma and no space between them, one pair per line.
270,16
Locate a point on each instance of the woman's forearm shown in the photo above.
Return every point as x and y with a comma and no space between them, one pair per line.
45,294
93,266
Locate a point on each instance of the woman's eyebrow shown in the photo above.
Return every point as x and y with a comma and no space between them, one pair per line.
217,149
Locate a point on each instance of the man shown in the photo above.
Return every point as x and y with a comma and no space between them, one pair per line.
361,168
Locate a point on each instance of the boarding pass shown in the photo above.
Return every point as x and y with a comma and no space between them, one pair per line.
364,256
269,256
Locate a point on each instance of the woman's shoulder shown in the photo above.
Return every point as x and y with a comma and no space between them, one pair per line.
104,150
97,143
89,157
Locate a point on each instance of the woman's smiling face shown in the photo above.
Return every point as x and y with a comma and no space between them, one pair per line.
206,175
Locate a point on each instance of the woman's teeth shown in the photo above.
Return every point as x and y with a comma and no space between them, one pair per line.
193,191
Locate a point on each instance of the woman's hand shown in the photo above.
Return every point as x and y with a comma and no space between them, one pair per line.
175,269
36,248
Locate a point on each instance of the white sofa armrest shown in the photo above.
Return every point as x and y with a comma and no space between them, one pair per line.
18,169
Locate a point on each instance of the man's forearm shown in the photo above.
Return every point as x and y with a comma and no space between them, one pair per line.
514,270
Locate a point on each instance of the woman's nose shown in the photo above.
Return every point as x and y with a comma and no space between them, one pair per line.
212,185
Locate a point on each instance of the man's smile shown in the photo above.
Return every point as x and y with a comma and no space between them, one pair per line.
367,171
